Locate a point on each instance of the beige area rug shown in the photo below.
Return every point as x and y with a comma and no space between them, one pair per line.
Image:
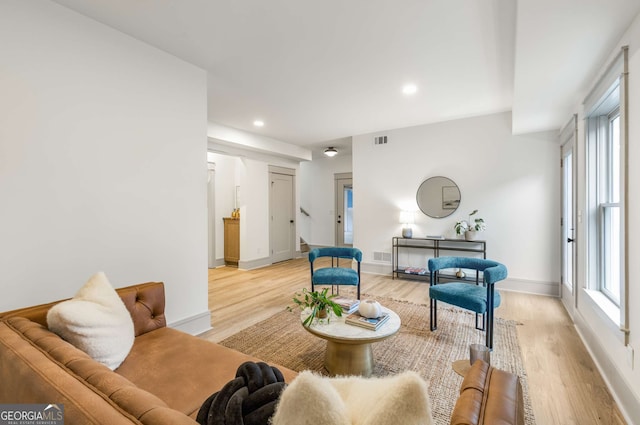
281,339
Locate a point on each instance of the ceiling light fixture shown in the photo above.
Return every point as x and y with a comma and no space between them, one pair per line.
409,89
331,152
258,123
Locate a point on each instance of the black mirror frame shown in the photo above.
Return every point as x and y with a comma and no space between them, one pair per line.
448,201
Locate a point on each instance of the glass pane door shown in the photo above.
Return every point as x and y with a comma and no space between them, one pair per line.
567,221
344,212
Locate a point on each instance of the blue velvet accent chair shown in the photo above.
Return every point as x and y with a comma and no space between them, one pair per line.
479,298
336,275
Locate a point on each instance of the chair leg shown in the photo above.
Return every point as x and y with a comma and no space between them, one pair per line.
489,332
433,316
359,280
433,304
489,322
477,326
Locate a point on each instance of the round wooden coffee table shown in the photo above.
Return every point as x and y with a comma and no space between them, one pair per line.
349,349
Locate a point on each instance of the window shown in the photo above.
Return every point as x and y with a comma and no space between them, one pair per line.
609,206
606,186
604,195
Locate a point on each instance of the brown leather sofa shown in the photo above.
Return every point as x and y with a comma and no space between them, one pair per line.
164,380
169,374
489,396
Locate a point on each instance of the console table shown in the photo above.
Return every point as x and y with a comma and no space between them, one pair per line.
437,248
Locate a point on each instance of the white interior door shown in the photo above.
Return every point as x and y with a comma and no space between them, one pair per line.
344,210
568,225
282,230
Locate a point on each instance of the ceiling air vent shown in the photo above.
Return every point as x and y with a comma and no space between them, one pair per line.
380,140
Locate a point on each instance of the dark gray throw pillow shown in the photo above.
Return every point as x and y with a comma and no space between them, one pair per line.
249,399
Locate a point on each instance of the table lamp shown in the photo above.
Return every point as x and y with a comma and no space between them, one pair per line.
407,219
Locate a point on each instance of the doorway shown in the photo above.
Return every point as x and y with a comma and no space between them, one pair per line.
568,225
211,212
282,230
344,209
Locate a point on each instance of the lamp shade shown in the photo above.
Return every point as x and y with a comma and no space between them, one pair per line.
407,217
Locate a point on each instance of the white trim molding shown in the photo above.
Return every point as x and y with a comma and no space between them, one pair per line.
623,394
254,264
536,287
194,325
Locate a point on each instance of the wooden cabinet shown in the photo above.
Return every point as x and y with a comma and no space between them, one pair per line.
231,241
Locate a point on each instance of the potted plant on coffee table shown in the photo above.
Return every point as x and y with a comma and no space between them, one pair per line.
318,303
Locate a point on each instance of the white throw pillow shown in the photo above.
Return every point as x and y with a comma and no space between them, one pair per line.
310,400
315,400
95,321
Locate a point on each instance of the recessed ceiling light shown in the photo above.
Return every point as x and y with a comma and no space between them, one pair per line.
258,123
409,89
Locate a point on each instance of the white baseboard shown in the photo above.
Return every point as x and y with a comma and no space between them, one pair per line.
219,263
623,394
262,262
376,268
537,287
194,325
312,246
551,289
254,264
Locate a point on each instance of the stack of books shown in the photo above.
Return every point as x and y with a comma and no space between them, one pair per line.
349,305
357,320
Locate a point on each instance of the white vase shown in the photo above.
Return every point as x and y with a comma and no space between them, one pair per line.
470,235
370,309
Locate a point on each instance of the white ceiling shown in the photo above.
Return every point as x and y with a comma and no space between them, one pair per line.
561,47
315,71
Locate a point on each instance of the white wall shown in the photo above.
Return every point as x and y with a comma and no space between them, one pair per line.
247,169
601,335
512,180
317,197
224,199
249,156
102,162
253,179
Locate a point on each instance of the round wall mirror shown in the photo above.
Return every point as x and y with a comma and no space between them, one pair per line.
438,197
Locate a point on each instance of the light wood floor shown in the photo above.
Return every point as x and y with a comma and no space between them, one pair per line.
564,383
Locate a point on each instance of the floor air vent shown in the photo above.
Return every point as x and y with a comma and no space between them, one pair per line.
382,256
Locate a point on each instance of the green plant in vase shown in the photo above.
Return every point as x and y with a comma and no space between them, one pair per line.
319,304
477,225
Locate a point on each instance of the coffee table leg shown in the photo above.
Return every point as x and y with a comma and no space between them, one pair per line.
348,359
